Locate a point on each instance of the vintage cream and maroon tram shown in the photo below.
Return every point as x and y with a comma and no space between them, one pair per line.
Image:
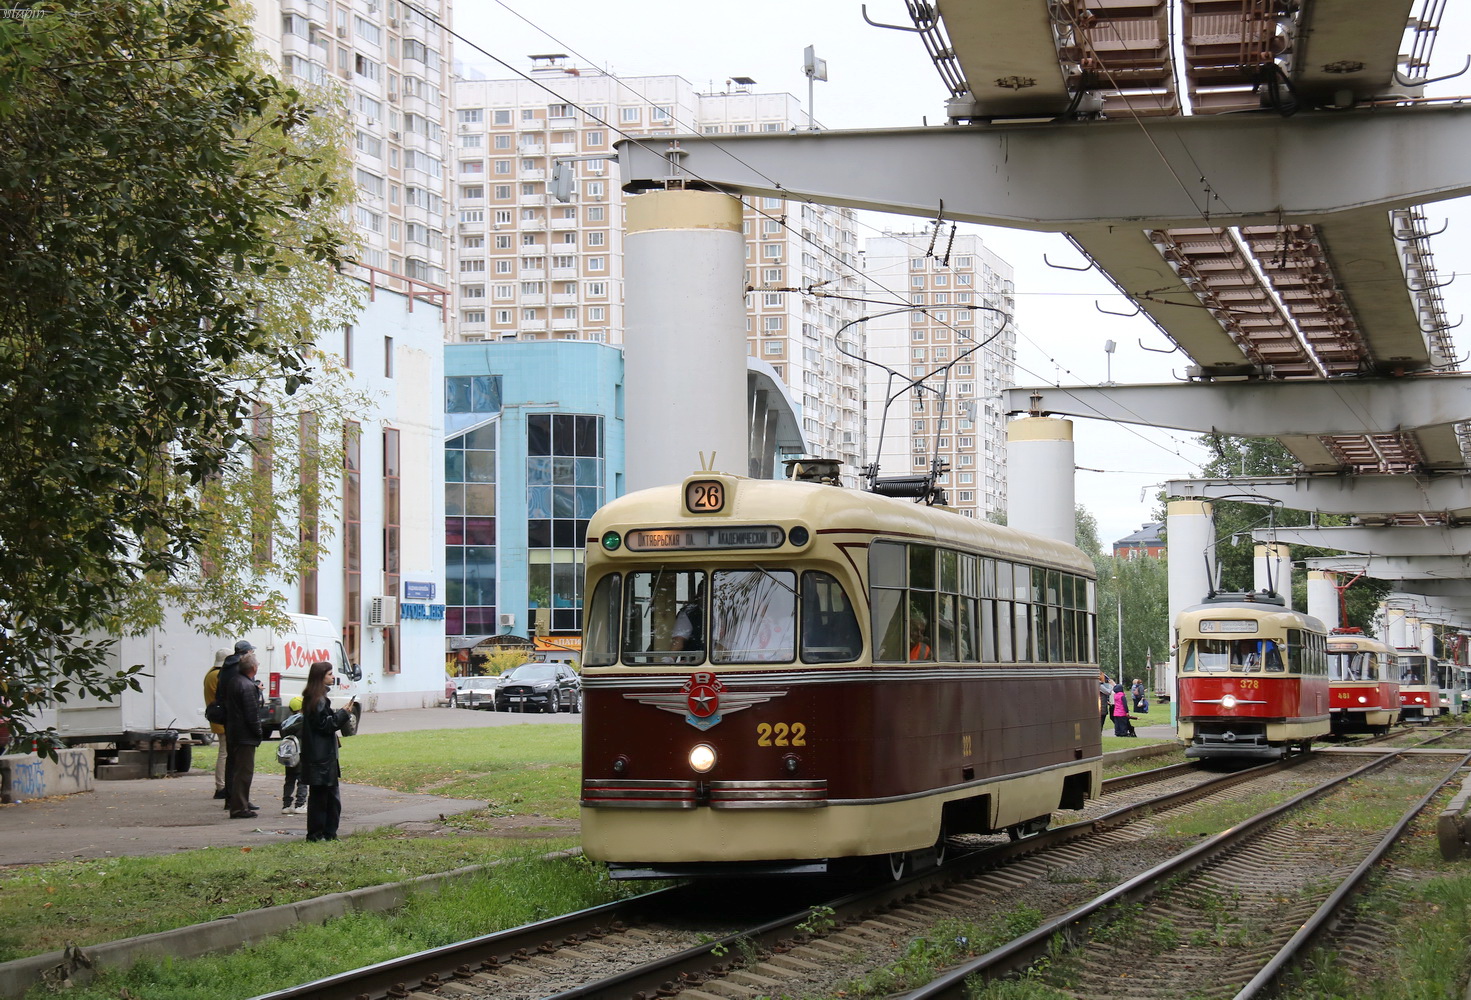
782,676
1253,677
1363,683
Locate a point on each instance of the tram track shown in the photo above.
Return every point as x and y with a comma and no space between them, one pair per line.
1277,877
652,946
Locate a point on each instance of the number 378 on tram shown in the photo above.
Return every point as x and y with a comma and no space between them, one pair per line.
783,676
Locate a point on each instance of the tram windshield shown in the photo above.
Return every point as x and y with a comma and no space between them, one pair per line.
1412,669
749,614
1352,665
1247,655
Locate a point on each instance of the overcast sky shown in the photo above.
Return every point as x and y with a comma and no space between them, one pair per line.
880,78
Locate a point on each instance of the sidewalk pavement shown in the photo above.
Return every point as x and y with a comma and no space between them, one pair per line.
179,813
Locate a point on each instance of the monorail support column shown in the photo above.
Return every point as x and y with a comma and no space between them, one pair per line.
1190,537
1394,627
1272,570
1323,597
1039,480
685,340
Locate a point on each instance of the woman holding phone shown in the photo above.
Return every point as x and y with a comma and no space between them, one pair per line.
319,741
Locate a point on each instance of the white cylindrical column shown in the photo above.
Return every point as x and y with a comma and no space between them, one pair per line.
684,350
1039,480
1323,597
1191,541
1271,567
1427,638
1394,627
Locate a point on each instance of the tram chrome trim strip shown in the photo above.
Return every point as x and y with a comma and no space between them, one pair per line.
852,675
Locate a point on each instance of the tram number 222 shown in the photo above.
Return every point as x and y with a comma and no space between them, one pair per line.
781,735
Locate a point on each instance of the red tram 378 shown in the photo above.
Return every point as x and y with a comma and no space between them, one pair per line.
787,677
1253,678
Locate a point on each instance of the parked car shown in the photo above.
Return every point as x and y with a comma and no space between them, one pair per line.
477,692
541,687
451,693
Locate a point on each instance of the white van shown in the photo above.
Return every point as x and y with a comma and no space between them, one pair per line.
286,656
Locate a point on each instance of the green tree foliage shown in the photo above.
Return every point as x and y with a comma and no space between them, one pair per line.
171,235
1234,522
1142,585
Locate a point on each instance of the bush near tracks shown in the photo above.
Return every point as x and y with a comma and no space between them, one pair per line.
527,775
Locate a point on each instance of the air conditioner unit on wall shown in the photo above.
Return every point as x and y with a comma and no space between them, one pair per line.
508,621
382,612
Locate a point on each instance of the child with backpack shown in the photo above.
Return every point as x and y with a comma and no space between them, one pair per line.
293,793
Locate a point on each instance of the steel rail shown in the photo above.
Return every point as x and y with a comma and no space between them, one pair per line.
1023,951
1326,915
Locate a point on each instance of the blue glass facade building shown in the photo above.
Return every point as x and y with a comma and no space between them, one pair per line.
534,445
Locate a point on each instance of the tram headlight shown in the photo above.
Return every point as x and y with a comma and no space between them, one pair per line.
1363,700
702,757
1228,701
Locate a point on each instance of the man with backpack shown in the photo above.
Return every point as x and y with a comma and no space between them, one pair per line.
211,700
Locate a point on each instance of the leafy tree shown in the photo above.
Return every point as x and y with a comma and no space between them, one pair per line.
1235,520
170,216
1136,593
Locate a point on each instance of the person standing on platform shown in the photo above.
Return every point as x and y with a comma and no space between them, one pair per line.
211,689
319,743
243,733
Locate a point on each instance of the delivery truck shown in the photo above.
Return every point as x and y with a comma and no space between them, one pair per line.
155,726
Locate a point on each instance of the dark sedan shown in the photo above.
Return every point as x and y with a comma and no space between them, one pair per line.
540,687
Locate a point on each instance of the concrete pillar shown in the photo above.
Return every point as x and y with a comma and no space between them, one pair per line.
1323,597
1271,567
685,341
1191,540
1394,627
1039,480
1427,638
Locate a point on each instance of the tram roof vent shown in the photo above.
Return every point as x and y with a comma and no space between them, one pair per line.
814,470
1246,597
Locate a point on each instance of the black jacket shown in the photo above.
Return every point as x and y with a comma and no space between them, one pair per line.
319,743
241,699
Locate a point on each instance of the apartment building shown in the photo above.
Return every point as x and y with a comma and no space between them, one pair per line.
961,298
529,266
392,64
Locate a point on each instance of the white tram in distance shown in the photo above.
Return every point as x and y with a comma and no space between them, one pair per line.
1253,678
787,677
1363,678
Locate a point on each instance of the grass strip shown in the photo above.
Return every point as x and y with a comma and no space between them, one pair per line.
521,892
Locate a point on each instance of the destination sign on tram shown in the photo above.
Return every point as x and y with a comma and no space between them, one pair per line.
759,536
1228,625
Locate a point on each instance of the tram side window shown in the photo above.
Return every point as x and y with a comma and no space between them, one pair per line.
753,616
887,578
830,631
665,617
601,648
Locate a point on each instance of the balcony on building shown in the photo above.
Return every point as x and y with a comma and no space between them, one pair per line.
565,149
564,223
313,10
563,298
564,324
533,175
530,149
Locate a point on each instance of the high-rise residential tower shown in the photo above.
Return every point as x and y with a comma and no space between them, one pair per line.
392,64
961,321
